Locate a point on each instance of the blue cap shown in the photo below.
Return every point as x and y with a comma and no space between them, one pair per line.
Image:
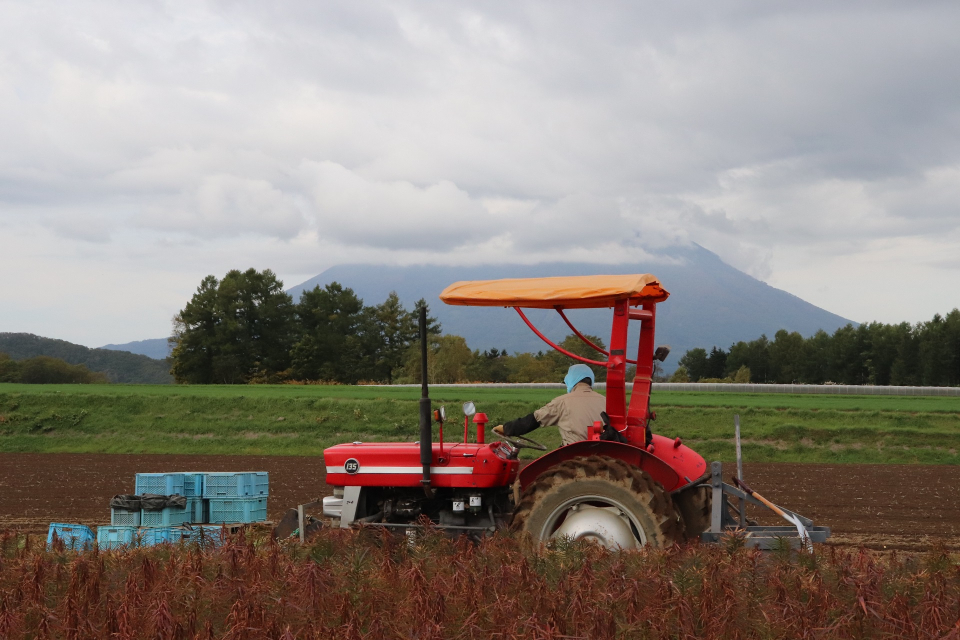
575,374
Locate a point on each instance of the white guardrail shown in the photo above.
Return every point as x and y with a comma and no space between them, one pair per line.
713,387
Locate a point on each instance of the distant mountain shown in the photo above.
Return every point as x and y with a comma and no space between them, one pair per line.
711,303
119,366
156,348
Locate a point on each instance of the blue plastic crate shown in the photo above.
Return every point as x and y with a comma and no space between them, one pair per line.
193,485
125,517
208,535
74,536
236,510
150,536
236,484
172,516
116,537
165,484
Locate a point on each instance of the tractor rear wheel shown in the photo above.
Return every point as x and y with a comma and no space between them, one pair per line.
600,499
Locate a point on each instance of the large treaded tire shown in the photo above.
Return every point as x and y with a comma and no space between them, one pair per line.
693,503
651,507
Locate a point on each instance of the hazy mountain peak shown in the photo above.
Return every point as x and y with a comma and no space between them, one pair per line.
711,303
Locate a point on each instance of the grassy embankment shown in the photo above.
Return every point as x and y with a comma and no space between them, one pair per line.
295,420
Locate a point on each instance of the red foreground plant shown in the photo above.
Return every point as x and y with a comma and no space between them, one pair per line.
369,584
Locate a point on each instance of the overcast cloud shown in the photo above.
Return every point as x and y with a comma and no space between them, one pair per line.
147,144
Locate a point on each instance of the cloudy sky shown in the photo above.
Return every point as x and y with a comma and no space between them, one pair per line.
144,145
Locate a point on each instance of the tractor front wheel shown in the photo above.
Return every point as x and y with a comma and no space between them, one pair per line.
601,499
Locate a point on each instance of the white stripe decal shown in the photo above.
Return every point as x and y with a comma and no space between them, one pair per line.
411,470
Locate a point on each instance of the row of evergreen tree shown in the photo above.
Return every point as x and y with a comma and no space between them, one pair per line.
244,328
925,354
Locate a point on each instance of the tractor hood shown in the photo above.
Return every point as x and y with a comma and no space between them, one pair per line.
375,464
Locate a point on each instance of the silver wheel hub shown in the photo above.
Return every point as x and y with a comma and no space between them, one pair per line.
608,526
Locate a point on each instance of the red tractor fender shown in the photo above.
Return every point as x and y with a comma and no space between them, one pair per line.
635,456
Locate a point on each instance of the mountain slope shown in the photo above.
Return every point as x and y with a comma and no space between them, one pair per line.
711,303
119,366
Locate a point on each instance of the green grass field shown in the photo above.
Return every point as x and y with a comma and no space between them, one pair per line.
303,420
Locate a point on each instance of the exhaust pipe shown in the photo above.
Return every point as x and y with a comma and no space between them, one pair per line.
426,426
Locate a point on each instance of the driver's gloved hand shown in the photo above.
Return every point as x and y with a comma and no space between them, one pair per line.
520,426
498,430
612,435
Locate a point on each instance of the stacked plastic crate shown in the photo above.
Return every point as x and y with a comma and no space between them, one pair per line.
236,497
166,525
123,529
116,536
213,499
207,535
189,485
150,536
141,526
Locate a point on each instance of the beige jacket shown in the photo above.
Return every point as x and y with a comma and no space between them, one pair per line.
573,412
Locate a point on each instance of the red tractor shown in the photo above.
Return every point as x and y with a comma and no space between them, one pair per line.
636,489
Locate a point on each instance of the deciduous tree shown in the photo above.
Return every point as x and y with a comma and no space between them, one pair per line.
695,362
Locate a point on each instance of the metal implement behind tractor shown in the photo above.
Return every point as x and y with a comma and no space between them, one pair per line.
626,488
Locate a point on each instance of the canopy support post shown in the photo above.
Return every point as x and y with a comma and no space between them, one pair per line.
617,368
556,346
639,413
584,338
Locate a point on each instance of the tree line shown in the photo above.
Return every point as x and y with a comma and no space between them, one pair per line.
244,328
924,354
117,366
450,360
46,370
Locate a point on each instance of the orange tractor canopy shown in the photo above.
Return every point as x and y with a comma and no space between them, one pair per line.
632,297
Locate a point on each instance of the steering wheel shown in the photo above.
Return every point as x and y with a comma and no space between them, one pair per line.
520,442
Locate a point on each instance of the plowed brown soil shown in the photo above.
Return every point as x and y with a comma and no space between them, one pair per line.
879,506
39,488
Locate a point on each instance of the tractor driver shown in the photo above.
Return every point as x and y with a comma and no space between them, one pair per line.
572,412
